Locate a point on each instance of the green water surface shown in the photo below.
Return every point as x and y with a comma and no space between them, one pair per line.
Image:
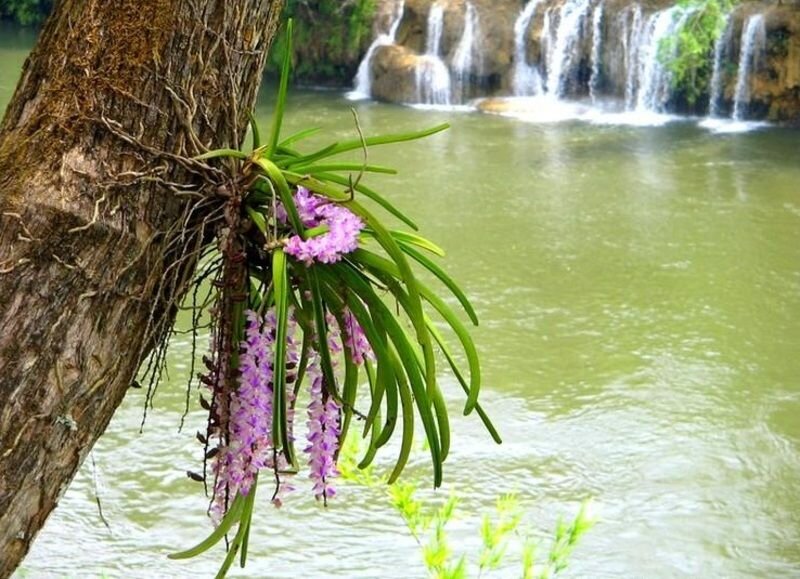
639,290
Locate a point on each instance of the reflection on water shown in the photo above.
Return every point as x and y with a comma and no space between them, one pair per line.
639,290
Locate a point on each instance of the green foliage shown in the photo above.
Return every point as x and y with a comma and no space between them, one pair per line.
496,532
427,524
254,272
25,12
329,36
688,55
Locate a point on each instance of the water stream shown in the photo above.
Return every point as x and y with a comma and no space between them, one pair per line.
527,77
597,46
562,53
721,49
467,56
432,75
753,47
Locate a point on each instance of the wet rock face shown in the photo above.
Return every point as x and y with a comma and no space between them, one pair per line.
774,88
777,87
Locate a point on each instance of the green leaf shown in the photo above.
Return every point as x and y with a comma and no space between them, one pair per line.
315,170
408,418
276,177
406,238
256,132
217,153
307,159
231,518
434,268
415,313
280,429
382,265
408,362
322,331
258,219
372,449
280,105
299,136
241,533
386,381
356,144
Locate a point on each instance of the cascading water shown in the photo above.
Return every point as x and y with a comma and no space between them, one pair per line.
753,48
527,78
464,62
721,48
433,40
654,77
432,75
597,45
561,54
433,81
631,45
363,80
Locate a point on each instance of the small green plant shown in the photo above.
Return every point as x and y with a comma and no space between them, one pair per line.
427,525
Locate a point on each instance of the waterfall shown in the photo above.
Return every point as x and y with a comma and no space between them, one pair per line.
433,81
363,80
631,44
466,51
561,54
654,80
433,41
717,75
432,75
751,53
597,45
527,79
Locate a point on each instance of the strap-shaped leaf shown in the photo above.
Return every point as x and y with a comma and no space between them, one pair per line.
321,325
256,131
386,381
404,237
386,267
258,219
408,360
218,153
242,533
437,336
407,441
443,420
283,88
372,449
285,194
280,429
232,517
315,170
356,144
434,268
296,160
298,136
415,314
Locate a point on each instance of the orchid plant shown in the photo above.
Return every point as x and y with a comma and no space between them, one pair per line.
302,308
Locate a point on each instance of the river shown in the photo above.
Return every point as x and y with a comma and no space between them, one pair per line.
639,291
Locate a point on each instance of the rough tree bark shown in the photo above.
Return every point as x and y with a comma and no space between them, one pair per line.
93,196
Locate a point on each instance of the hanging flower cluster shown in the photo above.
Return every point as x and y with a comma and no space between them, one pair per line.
314,302
249,446
338,227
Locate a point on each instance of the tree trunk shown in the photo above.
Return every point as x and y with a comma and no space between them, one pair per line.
94,191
